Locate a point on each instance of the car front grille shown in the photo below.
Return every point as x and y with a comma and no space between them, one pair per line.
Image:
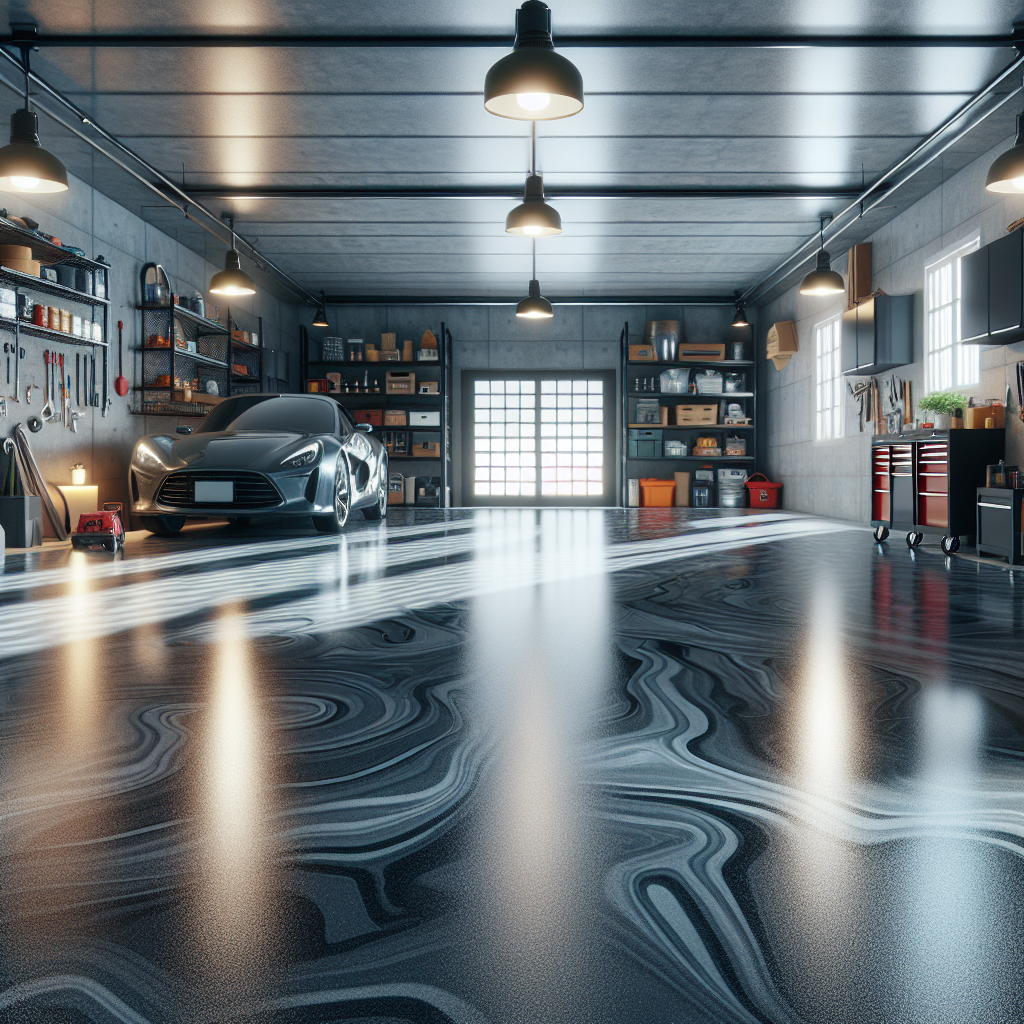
252,490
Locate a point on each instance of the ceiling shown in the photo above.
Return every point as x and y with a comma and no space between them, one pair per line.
411,119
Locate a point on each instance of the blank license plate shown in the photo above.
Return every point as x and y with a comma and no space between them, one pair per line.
215,492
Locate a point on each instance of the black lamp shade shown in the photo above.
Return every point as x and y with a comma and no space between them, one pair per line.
822,280
533,83
232,280
24,165
740,319
533,216
320,320
1007,171
534,306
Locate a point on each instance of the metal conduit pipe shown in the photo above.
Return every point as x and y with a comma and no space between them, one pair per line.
166,188
884,182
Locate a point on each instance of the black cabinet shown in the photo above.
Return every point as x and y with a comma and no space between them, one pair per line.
878,334
992,292
974,296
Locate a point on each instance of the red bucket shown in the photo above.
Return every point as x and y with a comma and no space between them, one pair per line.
763,493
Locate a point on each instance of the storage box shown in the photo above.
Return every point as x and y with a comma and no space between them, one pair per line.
21,519
317,386
657,493
390,355
375,417
428,418
736,447
644,444
975,416
400,382
428,491
410,490
333,382
782,343
682,496
426,450
394,418
427,355
429,387
396,489
387,342
704,353
642,354
694,414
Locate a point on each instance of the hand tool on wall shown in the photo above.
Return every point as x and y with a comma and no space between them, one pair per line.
19,354
94,395
63,396
47,410
120,384
68,419
78,380
7,352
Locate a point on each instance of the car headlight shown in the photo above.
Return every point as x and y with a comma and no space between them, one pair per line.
303,457
145,456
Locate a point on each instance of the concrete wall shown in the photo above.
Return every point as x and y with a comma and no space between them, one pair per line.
93,222
492,338
830,478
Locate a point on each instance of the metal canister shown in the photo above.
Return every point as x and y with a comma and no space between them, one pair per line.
40,316
26,307
53,318
65,321
739,350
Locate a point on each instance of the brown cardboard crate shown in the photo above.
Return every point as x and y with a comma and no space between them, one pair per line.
387,342
682,490
642,353
696,414
427,450
975,416
400,382
704,353
375,417
394,418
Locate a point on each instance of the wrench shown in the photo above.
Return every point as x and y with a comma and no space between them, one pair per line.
19,354
47,410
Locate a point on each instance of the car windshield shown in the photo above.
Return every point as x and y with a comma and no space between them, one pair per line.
271,412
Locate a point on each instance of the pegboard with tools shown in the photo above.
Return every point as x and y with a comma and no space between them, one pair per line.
887,404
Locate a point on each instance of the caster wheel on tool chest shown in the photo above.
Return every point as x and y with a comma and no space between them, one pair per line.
950,545
914,539
881,533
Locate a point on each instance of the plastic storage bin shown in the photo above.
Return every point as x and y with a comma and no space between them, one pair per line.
656,493
763,493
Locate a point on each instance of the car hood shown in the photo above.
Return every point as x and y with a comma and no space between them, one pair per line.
243,449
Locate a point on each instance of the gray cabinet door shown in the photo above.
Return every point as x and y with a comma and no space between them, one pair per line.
974,295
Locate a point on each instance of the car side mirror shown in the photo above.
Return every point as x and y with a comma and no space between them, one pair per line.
183,430
365,428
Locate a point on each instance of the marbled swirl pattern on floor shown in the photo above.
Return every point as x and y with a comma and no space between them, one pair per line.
659,766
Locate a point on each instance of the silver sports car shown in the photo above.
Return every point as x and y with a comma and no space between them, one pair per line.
297,455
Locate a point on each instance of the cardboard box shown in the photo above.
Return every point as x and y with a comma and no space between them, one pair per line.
975,416
396,489
696,414
429,387
427,355
389,355
427,418
317,386
394,418
642,354
782,343
375,417
426,450
387,342
400,382
704,353
858,285
682,490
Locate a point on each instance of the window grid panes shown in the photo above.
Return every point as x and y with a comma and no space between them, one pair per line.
948,364
829,378
538,437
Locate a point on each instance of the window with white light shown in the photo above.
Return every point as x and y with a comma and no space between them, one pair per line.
539,438
829,378
948,363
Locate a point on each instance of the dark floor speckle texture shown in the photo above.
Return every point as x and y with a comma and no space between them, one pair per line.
633,766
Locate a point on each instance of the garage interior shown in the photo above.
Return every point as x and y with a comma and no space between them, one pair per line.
511,514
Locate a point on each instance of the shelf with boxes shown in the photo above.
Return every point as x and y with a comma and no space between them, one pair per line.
405,400
685,403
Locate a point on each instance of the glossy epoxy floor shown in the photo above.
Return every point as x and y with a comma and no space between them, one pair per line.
646,766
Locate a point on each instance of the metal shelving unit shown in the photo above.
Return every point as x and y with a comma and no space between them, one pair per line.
634,467
50,255
206,365
439,370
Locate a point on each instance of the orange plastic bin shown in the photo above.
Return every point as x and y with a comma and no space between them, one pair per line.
656,493
763,493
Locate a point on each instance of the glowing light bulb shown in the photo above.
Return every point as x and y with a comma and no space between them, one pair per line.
532,229
1018,183
19,182
533,100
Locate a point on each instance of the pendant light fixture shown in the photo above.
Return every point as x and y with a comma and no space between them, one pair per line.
740,319
1007,171
320,319
823,280
533,216
232,280
533,83
534,306
24,165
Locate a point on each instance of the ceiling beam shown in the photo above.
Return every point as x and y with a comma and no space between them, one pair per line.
491,300
503,41
515,192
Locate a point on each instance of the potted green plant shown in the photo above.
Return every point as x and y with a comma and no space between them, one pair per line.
942,405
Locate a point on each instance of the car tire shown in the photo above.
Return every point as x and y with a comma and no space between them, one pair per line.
162,526
336,521
379,509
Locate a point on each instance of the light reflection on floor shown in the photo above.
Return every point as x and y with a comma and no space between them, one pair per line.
512,765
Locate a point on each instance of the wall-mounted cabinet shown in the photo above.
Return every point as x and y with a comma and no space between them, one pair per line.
992,292
878,334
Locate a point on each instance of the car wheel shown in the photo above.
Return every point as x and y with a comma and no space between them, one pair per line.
379,509
162,526
335,523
